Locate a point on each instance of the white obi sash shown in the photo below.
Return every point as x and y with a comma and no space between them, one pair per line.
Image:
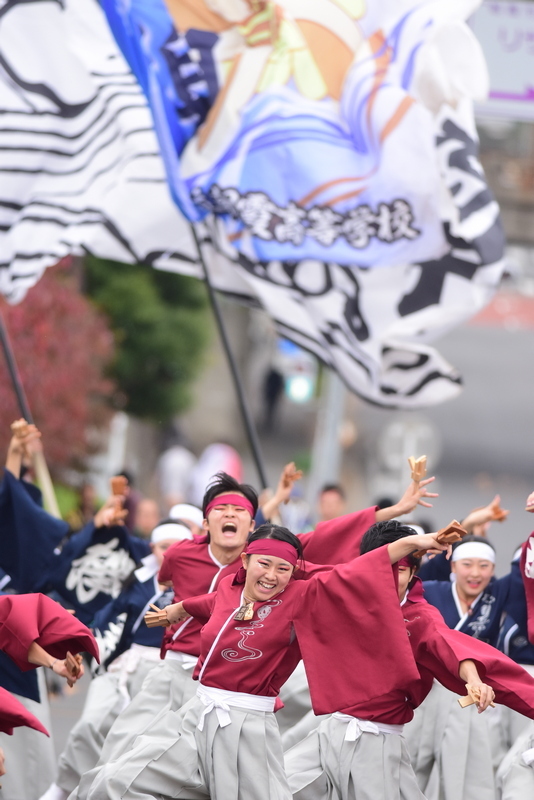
186,660
356,727
126,664
221,701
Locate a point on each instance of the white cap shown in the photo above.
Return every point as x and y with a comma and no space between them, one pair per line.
188,512
517,554
170,530
415,528
474,550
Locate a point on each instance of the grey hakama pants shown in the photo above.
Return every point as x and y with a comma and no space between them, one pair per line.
512,725
175,759
30,756
166,687
450,748
325,766
515,778
103,704
299,731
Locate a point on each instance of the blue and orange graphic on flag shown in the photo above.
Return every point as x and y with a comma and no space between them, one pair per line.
294,121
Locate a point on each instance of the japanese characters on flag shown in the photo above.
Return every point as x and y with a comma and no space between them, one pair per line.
326,150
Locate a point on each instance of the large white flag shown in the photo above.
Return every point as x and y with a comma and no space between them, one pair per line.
351,206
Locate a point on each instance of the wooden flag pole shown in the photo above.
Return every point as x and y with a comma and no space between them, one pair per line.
250,428
42,472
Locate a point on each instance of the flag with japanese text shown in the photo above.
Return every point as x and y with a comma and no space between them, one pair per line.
325,150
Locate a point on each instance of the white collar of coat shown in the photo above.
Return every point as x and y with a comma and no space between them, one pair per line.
148,570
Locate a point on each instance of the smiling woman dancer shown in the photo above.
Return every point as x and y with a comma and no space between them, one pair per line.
225,741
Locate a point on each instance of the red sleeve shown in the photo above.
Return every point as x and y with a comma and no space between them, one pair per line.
27,618
338,540
526,565
350,617
14,715
200,607
444,649
166,569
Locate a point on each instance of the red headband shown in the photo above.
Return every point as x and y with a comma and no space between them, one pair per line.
273,547
230,500
406,562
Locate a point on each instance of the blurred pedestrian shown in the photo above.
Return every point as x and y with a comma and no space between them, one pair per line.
332,502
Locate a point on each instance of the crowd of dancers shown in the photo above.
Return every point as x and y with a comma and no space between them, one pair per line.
234,660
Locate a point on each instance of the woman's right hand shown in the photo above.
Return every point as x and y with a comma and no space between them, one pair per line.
162,618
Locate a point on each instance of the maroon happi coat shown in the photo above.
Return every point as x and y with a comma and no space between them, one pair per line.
27,618
14,715
438,651
527,561
192,569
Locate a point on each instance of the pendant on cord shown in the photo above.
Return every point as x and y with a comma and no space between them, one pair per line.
246,612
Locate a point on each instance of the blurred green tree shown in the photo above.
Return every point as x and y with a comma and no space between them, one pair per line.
161,325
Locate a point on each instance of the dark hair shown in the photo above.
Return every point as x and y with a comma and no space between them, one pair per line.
129,477
384,502
426,525
472,538
333,487
222,483
270,531
382,533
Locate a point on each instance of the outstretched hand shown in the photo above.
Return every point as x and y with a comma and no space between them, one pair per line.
25,441
489,513
482,694
290,474
163,617
430,543
111,513
71,669
414,496
412,544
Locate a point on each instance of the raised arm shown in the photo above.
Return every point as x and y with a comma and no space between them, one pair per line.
14,715
469,674
338,540
198,607
411,544
412,497
479,517
290,474
34,618
29,535
455,659
41,658
20,447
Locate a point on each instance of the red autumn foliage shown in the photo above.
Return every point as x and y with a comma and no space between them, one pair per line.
61,344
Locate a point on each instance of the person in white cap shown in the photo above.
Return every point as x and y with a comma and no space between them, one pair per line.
189,515
128,651
441,733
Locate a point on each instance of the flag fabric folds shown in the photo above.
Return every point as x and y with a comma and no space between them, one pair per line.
80,169
325,150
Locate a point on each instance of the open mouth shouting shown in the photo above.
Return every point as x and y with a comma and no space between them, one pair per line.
229,528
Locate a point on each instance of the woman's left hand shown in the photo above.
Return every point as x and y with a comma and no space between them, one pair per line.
482,694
